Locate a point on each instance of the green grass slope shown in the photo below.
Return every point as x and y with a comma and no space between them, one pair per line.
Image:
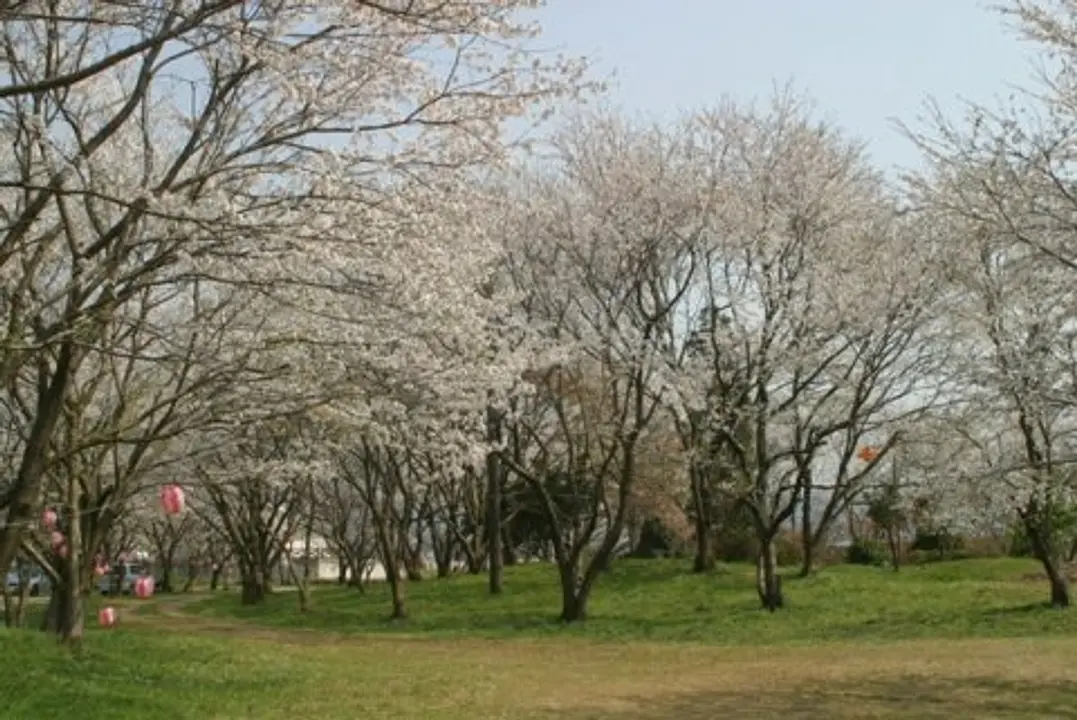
656,600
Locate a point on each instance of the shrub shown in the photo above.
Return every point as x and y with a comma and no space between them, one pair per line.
735,536
985,546
866,552
829,555
736,548
1019,544
944,544
919,557
744,547
789,548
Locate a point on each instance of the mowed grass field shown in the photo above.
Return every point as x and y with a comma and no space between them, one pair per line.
949,640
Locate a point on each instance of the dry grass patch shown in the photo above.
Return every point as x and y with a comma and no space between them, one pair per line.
200,669
541,679
574,680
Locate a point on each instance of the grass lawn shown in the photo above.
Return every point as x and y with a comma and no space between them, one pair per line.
656,600
951,640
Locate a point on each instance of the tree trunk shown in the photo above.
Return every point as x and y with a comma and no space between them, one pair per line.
768,581
508,548
389,560
304,598
65,614
355,573
194,570
166,575
20,608
1052,565
15,614
573,597
413,555
574,609
893,540
412,567
493,503
303,582
254,587
705,555
399,610
215,577
302,585
850,523
807,562
807,531
442,545
396,587
73,616
444,563
23,503
1060,587
50,621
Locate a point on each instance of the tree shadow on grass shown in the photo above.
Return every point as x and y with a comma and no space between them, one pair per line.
495,624
1024,609
910,697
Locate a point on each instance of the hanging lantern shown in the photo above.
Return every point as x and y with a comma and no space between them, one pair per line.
868,453
58,543
106,616
48,519
144,587
100,567
172,499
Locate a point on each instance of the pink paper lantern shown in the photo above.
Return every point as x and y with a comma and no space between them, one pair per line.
172,499
106,616
144,587
101,568
48,519
59,543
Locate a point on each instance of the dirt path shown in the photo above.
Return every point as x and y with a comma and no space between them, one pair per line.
988,677
171,613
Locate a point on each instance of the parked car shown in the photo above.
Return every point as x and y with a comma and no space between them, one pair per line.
122,584
37,580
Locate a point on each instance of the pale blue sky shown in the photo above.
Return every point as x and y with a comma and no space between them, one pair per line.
864,61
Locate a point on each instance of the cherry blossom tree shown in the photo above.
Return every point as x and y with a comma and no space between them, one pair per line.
241,143
810,297
378,475
601,251
157,373
997,188
457,503
273,148
255,485
1015,308
344,520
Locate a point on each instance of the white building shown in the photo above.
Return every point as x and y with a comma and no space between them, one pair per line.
323,562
